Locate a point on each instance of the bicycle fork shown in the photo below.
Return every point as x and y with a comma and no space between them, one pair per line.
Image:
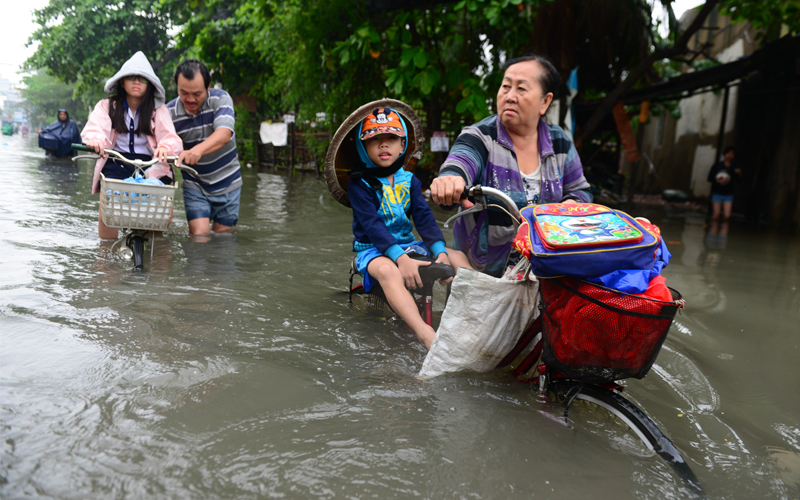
134,245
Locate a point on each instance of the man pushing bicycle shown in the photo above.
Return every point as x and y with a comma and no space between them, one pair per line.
204,119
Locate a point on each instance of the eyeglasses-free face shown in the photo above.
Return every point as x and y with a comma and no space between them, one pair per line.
136,78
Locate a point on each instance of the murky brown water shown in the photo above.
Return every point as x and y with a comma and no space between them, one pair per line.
235,368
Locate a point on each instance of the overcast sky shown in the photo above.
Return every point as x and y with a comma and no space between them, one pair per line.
18,25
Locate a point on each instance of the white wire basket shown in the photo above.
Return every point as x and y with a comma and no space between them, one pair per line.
135,206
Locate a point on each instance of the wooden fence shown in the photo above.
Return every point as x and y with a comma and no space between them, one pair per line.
304,151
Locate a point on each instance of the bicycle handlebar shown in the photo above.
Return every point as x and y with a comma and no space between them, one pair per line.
496,194
479,194
139,164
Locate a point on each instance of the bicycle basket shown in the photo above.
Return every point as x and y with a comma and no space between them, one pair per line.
599,335
135,206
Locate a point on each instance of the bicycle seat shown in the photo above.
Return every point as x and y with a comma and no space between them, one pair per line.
436,272
433,272
427,274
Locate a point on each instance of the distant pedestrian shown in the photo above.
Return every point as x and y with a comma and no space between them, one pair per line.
204,119
58,137
723,178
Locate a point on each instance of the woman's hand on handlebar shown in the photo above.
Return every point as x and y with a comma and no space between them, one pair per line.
161,154
447,190
409,270
97,146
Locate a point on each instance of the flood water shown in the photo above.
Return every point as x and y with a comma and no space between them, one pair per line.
235,367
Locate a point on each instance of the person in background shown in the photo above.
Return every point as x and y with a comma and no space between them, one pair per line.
134,122
515,151
723,178
204,119
58,137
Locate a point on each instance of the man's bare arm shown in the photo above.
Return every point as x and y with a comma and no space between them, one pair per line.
215,142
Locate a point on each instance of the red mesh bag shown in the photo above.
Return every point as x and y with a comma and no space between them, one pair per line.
600,335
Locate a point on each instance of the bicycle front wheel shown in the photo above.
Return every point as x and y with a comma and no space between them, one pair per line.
137,245
634,418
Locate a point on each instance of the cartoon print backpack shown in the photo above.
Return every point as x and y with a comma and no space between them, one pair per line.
584,240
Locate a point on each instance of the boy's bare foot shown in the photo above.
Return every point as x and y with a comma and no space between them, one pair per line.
427,336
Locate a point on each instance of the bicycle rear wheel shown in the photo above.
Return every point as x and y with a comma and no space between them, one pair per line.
634,418
136,243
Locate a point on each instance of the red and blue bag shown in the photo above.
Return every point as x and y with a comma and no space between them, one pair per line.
585,240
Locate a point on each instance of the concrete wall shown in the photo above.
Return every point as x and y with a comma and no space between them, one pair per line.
763,123
684,150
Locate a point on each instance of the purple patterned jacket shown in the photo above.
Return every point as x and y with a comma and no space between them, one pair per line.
484,154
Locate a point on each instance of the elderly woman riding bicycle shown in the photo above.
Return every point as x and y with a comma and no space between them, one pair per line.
514,151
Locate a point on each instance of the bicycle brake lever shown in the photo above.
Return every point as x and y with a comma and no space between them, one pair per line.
478,207
91,157
189,169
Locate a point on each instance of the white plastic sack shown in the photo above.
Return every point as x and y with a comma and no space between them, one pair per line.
484,319
273,133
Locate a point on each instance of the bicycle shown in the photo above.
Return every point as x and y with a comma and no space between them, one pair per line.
428,275
533,358
138,209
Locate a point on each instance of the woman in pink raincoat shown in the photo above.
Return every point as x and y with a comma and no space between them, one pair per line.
134,122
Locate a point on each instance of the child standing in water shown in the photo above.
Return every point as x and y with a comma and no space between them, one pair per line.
383,196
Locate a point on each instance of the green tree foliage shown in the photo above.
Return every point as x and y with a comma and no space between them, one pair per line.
444,59
86,41
767,16
236,40
45,95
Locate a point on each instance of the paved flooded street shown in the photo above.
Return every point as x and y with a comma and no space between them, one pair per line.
235,367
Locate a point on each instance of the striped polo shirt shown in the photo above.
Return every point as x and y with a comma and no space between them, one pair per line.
218,172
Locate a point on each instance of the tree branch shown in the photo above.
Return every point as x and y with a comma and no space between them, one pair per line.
167,57
660,53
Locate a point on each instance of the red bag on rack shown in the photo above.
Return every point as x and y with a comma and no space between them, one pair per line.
600,335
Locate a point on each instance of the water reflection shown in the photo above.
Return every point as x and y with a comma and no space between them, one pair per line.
234,367
60,174
717,238
270,198
214,256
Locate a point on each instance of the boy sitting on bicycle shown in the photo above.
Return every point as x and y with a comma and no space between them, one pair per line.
383,196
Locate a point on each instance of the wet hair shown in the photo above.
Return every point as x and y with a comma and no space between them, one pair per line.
728,150
117,113
189,68
549,80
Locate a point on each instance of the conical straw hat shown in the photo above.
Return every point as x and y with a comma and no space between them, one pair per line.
342,154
